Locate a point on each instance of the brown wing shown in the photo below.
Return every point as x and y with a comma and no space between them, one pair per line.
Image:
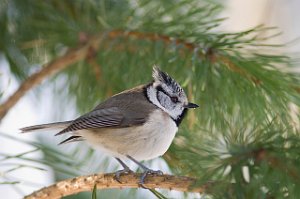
110,117
128,108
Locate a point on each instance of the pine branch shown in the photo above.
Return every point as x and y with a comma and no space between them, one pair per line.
107,181
90,48
275,162
72,56
209,54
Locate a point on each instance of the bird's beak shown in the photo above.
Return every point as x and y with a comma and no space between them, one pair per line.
191,105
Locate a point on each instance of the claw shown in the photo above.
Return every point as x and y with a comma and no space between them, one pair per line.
123,171
126,170
147,172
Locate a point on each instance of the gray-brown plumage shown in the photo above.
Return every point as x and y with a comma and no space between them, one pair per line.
138,124
119,111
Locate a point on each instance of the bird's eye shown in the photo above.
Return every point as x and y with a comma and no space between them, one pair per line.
174,99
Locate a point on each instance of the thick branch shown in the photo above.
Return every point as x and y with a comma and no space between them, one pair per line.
107,181
71,57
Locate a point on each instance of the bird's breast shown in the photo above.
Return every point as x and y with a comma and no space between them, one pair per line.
144,142
160,130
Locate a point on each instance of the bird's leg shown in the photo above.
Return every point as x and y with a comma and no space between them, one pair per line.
125,169
147,171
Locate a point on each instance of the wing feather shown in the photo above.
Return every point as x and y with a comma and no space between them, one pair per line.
129,108
99,118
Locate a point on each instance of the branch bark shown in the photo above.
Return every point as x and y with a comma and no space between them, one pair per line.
107,181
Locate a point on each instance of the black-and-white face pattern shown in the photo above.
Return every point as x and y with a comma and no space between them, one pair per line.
167,94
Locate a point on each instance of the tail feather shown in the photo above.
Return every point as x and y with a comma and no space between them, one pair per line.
74,138
46,127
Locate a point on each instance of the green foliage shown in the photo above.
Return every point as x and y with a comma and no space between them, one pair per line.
260,160
243,126
9,163
94,194
157,194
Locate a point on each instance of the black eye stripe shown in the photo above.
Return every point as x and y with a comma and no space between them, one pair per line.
159,88
172,98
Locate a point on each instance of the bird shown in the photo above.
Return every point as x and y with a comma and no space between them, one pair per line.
138,124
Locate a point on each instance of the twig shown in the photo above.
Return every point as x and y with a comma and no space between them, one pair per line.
107,181
152,37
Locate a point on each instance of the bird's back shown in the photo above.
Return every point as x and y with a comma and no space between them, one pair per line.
133,104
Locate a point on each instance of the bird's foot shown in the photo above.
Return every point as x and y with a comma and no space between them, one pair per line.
149,172
123,171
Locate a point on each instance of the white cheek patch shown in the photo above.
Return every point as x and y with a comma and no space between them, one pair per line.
174,110
164,100
151,92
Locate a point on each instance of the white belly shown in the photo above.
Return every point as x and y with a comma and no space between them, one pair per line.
142,143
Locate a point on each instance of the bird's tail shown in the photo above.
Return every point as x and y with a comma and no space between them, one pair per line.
46,127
